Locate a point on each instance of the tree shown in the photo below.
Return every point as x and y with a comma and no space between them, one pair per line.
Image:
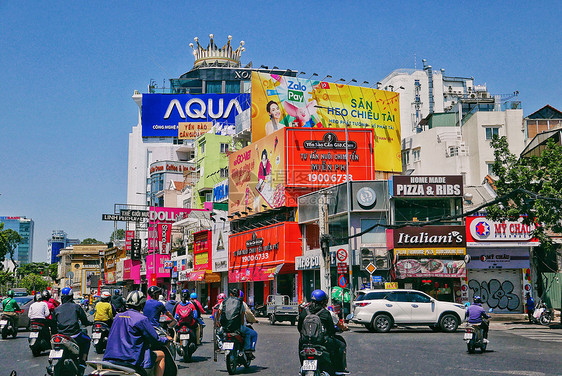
53,272
39,268
6,279
9,240
91,241
33,282
117,235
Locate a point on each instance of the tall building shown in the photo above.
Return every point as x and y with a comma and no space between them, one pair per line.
23,226
59,240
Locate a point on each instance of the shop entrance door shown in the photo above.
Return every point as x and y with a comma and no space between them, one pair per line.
258,294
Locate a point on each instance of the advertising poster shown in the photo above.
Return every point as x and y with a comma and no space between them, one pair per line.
164,114
316,158
280,101
257,175
159,216
430,268
164,238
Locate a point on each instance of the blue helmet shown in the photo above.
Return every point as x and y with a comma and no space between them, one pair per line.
318,296
116,292
185,294
193,295
241,294
66,291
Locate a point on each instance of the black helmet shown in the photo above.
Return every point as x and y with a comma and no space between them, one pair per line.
477,299
37,297
46,295
234,292
154,291
172,296
136,300
185,294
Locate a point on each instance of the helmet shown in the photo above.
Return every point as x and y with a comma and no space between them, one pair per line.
10,293
105,296
221,297
67,291
241,294
154,291
318,296
193,295
135,299
477,299
38,297
116,292
185,294
172,296
234,292
47,295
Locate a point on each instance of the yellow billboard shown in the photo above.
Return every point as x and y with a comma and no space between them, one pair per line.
281,101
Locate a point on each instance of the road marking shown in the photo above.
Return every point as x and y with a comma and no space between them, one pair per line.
539,335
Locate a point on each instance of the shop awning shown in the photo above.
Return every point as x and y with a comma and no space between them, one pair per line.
196,276
211,277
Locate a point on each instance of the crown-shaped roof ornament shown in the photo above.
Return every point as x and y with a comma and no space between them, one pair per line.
213,55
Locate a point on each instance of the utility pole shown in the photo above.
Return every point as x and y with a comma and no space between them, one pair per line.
325,277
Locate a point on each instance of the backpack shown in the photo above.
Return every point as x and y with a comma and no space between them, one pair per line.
185,313
312,330
231,315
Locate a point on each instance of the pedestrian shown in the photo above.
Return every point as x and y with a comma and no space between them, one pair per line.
530,306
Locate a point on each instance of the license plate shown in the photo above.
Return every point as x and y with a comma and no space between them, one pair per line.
96,335
228,345
34,335
55,354
3,322
309,365
184,336
468,335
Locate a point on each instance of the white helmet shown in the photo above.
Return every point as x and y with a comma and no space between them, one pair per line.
105,295
135,299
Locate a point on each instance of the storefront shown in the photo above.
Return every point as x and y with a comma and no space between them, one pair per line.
499,266
430,259
262,261
220,229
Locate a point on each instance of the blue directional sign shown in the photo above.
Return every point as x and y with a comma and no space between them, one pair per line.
377,278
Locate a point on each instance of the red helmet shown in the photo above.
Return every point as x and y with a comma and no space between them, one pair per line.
221,297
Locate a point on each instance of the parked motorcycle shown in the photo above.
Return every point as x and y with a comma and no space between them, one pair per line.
39,337
102,368
64,358
100,332
542,315
186,342
7,327
233,347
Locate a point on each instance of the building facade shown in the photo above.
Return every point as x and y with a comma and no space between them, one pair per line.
24,227
59,240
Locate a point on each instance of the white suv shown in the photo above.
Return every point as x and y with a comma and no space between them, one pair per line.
380,310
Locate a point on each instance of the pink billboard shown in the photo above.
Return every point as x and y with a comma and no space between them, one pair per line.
160,269
131,270
160,226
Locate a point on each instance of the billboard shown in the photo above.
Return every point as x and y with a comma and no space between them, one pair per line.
484,232
257,175
164,114
317,158
426,186
279,101
160,227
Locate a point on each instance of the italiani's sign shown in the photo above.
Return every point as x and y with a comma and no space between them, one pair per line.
430,237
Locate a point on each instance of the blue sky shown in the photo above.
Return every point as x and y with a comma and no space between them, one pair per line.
68,70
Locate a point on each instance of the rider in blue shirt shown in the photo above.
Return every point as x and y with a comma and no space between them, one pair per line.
171,304
476,313
154,308
131,337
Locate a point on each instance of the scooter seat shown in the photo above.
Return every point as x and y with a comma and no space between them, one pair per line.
126,368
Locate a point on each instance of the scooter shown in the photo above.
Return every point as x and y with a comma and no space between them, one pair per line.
186,342
474,336
542,315
39,337
100,332
315,361
102,368
7,326
233,347
64,358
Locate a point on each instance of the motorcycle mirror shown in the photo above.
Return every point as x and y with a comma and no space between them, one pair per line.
491,310
349,317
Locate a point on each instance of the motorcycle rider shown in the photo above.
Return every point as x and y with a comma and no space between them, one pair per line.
200,311
117,301
52,304
171,303
39,310
476,313
153,308
220,298
68,317
335,344
10,307
104,311
247,317
131,337
186,313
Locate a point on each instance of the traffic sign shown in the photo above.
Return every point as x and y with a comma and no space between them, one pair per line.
341,254
371,268
377,278
342,282
342,267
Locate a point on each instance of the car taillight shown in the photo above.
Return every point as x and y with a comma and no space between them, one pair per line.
362,304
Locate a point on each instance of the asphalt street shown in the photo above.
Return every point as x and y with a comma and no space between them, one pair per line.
514,350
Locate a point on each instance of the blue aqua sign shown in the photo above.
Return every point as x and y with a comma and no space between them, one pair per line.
161,113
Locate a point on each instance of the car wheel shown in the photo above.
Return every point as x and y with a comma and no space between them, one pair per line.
448,323
382,323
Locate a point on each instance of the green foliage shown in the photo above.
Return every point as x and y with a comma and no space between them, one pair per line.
91,241
33,282
9,240
53,272
534,186
33,268
117,235
6,277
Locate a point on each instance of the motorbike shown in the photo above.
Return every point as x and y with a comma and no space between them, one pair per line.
64,357
7,327
100,332
315,361
186,342
102,368
233,347
542,315
39,337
